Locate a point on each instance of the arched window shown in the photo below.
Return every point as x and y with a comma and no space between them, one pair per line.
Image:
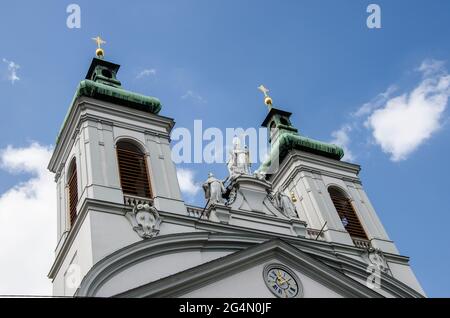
133,170
73,191
347,213
284,121
272,129
273,125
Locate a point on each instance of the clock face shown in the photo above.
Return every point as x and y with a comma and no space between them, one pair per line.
281,282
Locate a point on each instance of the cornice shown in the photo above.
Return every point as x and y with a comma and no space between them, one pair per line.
317,247
75,121
207,273
123,258
298,155
101,206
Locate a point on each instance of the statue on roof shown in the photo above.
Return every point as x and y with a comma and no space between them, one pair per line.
214,189
239,162
286,205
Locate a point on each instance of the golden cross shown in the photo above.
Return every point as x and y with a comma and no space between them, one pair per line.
267,99
99,41
264,90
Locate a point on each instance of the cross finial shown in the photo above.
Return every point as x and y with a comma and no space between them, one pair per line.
264,90
99,41
267,99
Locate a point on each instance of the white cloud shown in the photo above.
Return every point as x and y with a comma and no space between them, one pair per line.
407,121
375,103
194,97
400,124
146,72
12,71
27,222
187,181
341,138
431,67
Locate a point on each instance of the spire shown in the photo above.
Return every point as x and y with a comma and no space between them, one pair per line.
284,137
101,83
101,70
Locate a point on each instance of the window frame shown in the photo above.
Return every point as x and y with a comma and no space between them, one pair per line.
72,192
346,209
146,190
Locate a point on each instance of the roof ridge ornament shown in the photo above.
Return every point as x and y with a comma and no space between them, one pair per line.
99,51
267,98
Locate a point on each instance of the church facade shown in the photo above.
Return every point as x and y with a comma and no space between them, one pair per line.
300,226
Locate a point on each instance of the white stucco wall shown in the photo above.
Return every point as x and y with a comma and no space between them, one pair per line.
250,283
156,268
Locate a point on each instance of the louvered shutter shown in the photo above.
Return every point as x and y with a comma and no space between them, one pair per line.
73,194
133,171
347,213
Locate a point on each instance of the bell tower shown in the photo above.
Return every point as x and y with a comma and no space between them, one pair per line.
112,152
328,192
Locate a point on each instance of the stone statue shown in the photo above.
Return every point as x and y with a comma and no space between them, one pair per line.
145,219
286,205
214,189
239,162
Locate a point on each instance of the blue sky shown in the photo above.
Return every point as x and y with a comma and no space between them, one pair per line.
204,60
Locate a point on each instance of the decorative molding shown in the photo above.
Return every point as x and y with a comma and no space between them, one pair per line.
317,247
314,234
145,219
311,158
188,280
299,227
376,257
194,212
388,283
146,249
221,212
100,206
77,116
361,243
232,196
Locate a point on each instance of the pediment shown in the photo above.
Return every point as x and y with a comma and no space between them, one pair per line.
243,274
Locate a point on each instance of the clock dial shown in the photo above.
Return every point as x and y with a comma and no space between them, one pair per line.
281,282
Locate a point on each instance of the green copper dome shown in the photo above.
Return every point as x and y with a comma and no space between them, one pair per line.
101,83
287,141
286,138
118,96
